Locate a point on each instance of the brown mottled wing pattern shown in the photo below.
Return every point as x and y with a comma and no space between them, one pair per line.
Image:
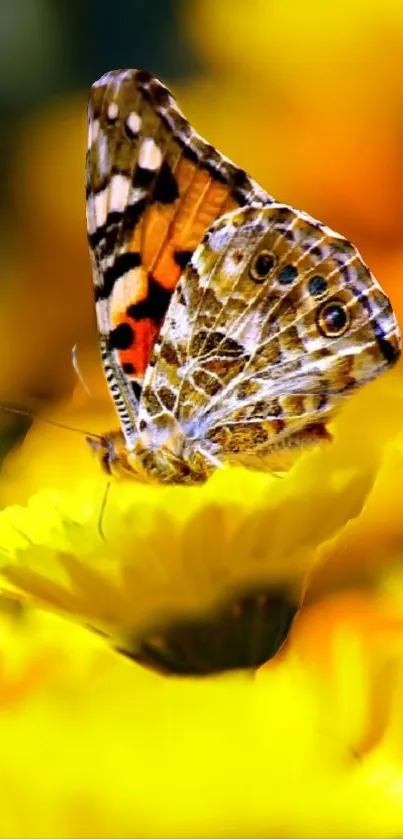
153,188
275,319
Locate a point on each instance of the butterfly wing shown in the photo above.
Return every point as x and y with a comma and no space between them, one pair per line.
153,188
274,320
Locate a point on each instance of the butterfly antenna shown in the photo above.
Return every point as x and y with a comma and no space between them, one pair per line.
102,511
74,361
9,409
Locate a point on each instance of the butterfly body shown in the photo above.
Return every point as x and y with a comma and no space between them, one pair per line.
230,325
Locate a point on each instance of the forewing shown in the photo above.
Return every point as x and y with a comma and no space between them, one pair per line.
153,188
275,318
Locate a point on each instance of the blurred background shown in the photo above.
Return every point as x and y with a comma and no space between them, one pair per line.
308,97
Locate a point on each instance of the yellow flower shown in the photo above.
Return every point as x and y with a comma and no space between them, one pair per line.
194,579
93,745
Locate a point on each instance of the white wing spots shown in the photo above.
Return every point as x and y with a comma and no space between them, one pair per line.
102,313
220,239
93,131
150,155
180,327
332,233
137,194
100,207
103,155
133,123
235,263
125,74
119,193
314,345
113,111
249,330
129,288
301,213
91,221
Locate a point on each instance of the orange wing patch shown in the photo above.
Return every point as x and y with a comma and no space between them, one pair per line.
166,240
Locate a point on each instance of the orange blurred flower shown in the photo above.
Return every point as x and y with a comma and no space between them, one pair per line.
307,97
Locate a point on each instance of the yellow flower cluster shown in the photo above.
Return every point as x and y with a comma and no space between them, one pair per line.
127,558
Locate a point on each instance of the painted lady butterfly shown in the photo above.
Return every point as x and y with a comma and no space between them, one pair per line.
275,317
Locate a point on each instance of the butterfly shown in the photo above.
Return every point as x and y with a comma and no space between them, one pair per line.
230,325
